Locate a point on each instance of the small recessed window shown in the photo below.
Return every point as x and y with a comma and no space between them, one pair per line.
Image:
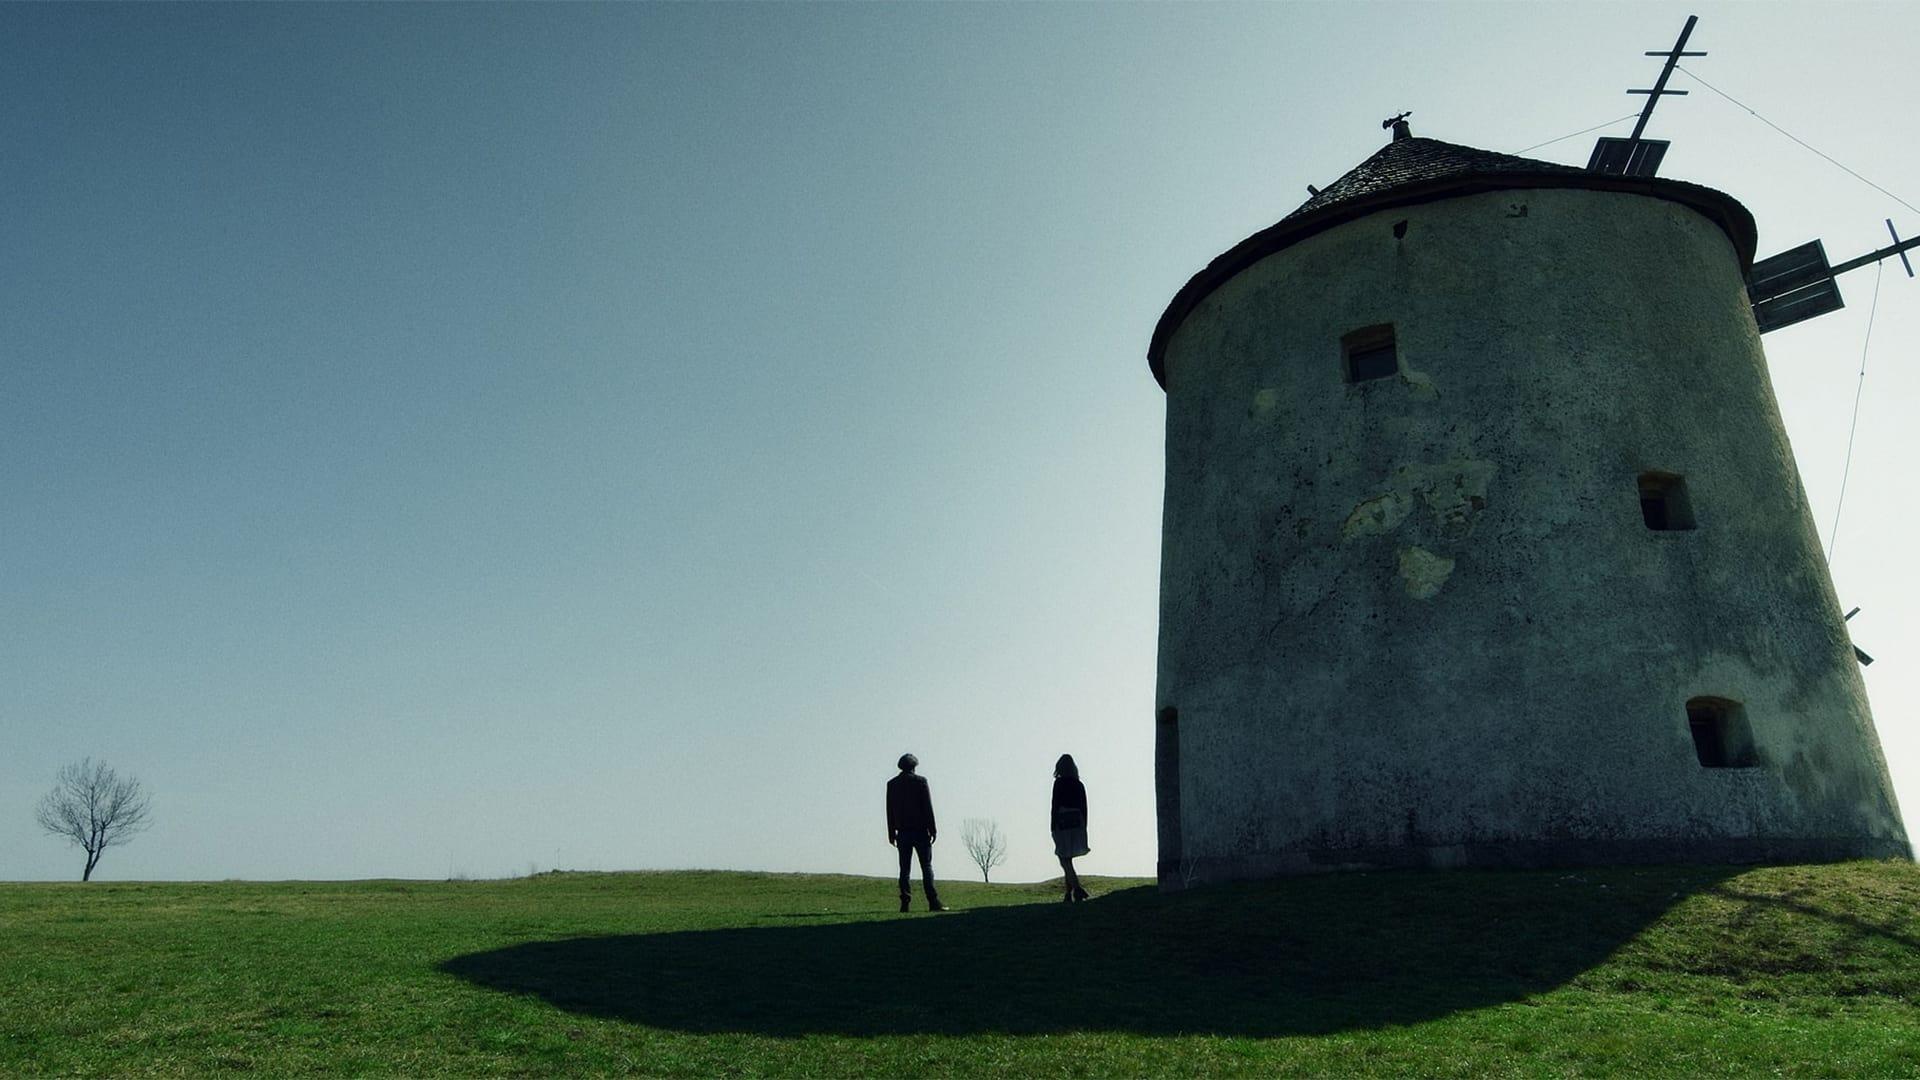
1721,738
1664,505
1369,354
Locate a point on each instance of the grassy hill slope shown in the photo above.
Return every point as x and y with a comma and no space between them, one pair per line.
1805,970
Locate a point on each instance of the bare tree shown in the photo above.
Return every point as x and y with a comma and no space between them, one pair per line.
986,844
94,807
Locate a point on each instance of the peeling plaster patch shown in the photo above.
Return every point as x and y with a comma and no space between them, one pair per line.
1264,402
1418,383
1455,491
1423,571
1380,514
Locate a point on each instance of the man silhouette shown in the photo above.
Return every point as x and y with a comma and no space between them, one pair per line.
910,828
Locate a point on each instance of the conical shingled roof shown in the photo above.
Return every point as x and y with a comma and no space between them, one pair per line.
1415,170
1416,160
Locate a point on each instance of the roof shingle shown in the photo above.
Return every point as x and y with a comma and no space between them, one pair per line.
1414,160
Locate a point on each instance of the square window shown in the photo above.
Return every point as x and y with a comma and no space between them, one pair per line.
1664,505
1369,353
1721,738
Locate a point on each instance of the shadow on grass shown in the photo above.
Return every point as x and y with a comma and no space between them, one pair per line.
1852,925
1299,956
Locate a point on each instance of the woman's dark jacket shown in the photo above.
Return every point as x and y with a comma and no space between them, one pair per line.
1069,803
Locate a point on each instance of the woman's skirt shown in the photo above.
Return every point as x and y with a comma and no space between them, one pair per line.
1070,843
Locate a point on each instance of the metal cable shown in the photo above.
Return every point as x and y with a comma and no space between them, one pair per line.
1582,131
1799,140
1833,535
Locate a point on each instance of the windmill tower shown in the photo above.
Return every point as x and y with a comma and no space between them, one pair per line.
1483,543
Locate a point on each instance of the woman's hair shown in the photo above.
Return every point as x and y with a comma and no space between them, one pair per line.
1065,767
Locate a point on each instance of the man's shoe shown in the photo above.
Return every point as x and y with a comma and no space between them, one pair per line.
935,905
1079,894
906,902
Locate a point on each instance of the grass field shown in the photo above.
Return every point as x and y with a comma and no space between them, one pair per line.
1799,970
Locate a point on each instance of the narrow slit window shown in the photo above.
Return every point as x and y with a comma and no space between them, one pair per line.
1664,505
1369,354
1721,738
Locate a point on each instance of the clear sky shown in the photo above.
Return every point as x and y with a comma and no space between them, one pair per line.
464,439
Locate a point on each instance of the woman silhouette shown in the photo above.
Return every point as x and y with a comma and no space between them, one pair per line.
1069,822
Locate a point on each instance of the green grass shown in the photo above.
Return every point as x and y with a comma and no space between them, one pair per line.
1799,970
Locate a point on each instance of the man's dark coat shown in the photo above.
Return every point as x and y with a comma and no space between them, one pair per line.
909,805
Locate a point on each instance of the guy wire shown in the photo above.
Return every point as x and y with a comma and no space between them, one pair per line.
1798,139
1582,131
1833,535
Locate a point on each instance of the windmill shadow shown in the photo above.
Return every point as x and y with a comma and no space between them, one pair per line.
1300,956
